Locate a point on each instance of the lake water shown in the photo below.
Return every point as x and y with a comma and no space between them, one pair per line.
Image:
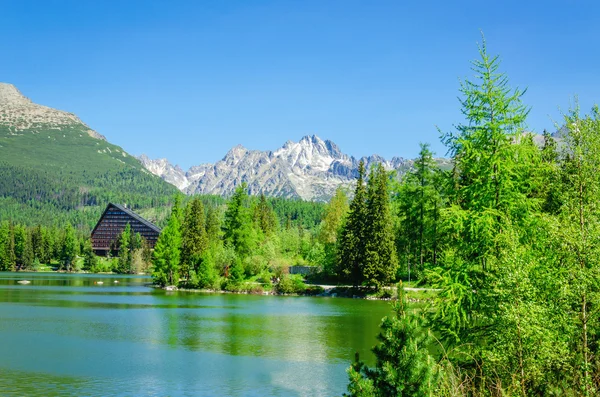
68,335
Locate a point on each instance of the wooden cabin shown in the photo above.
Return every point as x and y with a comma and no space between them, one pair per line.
113,222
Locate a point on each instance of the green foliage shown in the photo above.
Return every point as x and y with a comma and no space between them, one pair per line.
237,226
579,246
418,200
366,252
351,251
380,260
125,250
290,284
54,177
7,247
333,222
403,365
194,238
90,261
68,250
264,217
167,251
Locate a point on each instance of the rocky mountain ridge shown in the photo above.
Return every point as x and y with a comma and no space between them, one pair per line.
19,113
310,169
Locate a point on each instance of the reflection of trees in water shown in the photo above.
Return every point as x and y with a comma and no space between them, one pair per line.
292,329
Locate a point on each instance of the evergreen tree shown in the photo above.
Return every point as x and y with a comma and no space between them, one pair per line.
380,260
167,251
213,224
264,217
334,215
90,261
37,242
418,202
28,256
237,224
194,238
7,247
331,226
68,250
46,248
125,251
403,365
352,242
20,246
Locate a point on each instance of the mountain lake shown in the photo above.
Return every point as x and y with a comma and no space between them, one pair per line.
113,335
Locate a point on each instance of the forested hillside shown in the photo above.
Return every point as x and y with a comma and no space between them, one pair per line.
55,170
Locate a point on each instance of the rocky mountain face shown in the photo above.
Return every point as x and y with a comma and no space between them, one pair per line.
310,169
19,113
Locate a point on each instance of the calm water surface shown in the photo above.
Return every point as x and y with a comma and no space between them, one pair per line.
67,335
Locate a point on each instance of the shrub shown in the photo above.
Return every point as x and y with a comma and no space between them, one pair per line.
290,285
313,290
255,264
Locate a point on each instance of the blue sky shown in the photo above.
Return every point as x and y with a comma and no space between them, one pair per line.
189,80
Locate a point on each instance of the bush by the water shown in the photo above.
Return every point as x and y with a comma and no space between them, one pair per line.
290,284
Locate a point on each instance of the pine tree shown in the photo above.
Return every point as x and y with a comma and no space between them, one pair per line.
194,238
380,260
352,242
167,251
403,365
237,225
37,245
28,256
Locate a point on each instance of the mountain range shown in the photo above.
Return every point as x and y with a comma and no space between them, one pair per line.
54,144
310,169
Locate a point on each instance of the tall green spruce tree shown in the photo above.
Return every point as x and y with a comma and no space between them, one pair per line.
380,261
167,251
352,241
237,225
194,239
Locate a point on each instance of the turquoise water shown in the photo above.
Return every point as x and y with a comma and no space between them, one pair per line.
67,335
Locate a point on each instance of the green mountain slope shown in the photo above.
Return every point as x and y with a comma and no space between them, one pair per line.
55,169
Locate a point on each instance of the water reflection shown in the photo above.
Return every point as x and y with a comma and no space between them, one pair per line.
126,338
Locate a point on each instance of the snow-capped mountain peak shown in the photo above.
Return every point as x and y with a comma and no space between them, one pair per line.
310,169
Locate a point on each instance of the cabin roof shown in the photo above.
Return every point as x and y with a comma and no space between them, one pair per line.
130,213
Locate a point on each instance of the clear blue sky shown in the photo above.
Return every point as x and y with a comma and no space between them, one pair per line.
188,80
